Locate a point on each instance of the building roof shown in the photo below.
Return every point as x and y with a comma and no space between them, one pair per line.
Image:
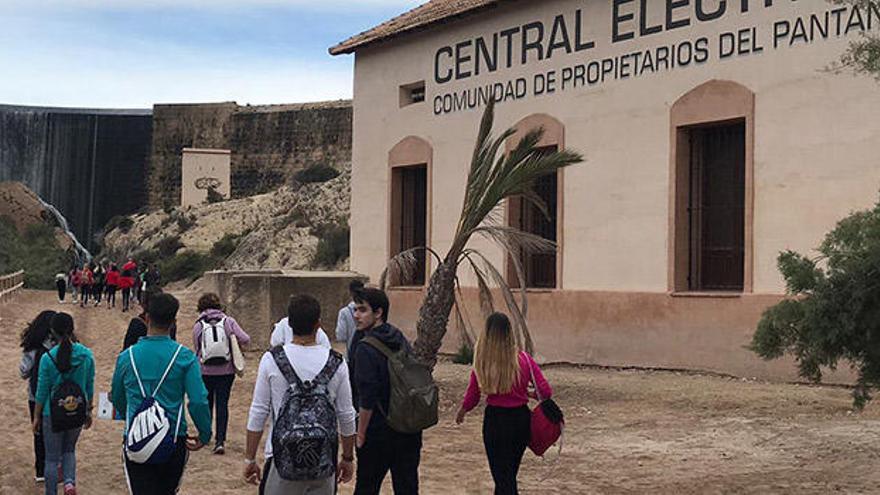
419,18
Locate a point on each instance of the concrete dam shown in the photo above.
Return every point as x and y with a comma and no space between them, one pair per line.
90,164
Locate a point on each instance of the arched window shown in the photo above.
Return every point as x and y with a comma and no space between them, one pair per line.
712,142
540,271
409,162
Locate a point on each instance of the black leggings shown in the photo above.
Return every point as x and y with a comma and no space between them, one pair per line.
39,448
506,434
126,298
62,289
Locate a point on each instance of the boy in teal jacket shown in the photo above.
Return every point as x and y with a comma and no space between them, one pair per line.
152,355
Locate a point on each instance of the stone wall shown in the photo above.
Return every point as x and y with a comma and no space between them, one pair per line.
258,299
269,144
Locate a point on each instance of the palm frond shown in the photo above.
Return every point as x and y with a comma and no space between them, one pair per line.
487,302
514,240
404,264
523,337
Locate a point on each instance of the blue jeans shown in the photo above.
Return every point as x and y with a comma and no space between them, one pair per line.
60,449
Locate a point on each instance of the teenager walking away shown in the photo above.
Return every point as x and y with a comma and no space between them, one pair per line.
304,387
112,282
379,447
61,286
126,282
87,280
75,279
64,401
36,339
345,324
137,326
212,335
149,383
282,333
99,275
503,373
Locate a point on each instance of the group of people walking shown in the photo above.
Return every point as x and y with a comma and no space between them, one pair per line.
324,411
94,282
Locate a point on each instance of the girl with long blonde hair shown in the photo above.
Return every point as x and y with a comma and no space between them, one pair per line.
503,372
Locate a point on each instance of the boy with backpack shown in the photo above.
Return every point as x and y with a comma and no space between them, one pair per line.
212,339
149,384
397,398
303,386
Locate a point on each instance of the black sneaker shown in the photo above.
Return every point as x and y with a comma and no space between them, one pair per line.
219,450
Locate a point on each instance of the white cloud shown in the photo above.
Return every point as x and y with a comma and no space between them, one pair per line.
142,5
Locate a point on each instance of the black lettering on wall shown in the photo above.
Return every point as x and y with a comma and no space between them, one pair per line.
484,56
704,16
559,36
671,6
644,28
462,58
507,34
617,18
580,45
536,45
446,50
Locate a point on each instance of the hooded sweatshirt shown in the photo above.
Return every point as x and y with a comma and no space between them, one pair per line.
371,373
82,372
231,328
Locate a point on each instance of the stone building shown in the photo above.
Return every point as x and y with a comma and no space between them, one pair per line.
268,143
713,134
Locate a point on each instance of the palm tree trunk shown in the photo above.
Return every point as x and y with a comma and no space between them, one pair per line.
434,313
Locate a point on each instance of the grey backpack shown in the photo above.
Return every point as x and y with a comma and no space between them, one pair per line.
304,436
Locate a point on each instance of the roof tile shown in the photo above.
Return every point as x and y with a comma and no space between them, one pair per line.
430,13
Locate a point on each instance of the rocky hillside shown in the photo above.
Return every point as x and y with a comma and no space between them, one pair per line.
32,238
294,227
22,208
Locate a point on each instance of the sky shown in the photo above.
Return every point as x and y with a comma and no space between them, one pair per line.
134,53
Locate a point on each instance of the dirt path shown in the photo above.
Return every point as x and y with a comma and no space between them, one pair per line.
628,432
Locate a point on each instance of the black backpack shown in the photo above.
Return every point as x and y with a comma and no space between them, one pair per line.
67,408
304,435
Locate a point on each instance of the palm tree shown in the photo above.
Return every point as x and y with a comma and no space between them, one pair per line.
493,177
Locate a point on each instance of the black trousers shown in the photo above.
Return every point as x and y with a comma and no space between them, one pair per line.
61,285
506,434
126,298
111,295
85,292
385,451
97,292
157,479
219,388
39,448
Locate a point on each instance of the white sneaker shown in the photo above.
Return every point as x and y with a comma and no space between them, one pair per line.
39,479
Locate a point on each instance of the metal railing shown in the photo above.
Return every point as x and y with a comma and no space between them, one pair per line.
10,284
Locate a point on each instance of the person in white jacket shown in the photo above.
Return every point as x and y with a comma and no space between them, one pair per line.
345,324
307,359
283,334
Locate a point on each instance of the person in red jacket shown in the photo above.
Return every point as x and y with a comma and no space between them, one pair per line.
112,282
86,283
130,266
75,281
126,282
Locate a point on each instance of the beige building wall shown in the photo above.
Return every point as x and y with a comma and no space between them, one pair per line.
816,138
203,169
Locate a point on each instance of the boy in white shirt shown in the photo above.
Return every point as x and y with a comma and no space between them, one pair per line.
311,363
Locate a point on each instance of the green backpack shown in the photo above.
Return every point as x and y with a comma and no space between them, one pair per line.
415,398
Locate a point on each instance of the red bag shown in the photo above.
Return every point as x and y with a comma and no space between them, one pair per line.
547,423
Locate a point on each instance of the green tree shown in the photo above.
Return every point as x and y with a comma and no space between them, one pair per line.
493,177
834,312
863,55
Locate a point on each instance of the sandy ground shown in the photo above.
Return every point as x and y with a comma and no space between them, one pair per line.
628,432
